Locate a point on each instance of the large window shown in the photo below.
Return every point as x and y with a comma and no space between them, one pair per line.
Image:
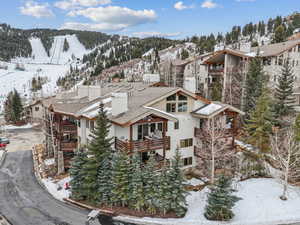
182,106
177,103
184,143
171,107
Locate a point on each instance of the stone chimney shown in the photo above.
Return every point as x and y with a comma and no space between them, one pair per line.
119,103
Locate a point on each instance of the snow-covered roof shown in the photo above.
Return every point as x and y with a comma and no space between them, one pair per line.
213,109
208,109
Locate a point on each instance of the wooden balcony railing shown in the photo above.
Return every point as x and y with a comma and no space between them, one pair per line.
69,128
68,146
143,145
201,133
216,72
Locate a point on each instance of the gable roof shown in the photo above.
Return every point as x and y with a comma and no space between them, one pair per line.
220,53
275,49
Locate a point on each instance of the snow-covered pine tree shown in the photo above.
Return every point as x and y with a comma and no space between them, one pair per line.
254,85
177,186
284,91
78,175
121,179
98,149
137,199
150,185
220,200
259,126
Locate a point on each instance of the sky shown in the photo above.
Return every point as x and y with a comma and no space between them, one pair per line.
166,18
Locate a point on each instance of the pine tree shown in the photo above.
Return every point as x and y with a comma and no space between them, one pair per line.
98,150
164,191
8,107
78,175
177,183
297,128
121,179
284,91
280,34
137,180
220,200
150,185
17,107
254,85
104,181
259,126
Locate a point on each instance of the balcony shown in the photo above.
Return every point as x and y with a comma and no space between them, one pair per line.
200,133
68,146
216,71
149,144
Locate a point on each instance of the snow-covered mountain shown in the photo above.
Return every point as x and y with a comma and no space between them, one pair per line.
57,54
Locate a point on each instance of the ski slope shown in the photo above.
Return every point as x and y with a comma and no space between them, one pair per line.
76,49
39,53
57,55
21,80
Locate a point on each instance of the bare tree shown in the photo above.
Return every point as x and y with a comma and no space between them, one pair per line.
215,143
286,153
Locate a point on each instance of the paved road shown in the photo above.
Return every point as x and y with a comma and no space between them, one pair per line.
24,202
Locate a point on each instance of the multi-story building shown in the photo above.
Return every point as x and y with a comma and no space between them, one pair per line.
145,119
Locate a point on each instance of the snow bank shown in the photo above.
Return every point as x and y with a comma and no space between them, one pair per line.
26,126
52,187
260,206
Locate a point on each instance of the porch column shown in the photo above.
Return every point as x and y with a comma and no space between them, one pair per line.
130,138
164,138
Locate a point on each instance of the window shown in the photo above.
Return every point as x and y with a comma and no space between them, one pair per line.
187,161
182,106
176,125
182,98
152,127
87,124
160,126
201,123
36,108
171,98
92,125
184,143
78,123
171,107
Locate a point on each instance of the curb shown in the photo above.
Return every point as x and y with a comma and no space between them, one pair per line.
2,159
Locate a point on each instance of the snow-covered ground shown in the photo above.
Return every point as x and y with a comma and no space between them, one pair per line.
52,188
26,126
260,205
21,80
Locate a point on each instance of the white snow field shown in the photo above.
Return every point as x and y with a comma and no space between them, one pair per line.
21,80
39,53
40,64
261,205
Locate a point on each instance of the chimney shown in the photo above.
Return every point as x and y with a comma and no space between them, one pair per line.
119,103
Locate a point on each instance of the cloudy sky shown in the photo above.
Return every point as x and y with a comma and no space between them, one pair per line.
169,18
